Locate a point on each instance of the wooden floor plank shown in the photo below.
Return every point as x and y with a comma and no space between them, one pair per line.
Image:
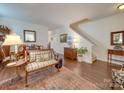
96,73
99,72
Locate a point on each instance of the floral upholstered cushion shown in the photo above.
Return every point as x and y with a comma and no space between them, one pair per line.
118,77
38,57
32,56
46,55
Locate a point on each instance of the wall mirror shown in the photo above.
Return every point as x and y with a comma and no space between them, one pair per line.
29,36
117,38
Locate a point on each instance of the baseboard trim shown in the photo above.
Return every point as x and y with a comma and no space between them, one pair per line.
113,64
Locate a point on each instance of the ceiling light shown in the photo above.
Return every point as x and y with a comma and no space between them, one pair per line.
121,6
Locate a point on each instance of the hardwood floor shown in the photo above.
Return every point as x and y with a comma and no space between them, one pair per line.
98,73
7,73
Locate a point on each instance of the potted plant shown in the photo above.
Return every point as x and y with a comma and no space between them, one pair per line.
118,47
80,52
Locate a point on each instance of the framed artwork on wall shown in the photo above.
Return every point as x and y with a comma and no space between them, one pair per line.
117,38
63,38
29,36
70,40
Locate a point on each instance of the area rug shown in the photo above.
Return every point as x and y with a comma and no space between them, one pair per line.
51,79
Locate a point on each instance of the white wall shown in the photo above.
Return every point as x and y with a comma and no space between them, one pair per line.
18,27
100,30
59,47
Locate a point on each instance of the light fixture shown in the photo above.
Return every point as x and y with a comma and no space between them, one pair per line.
121,6
76,41
13,39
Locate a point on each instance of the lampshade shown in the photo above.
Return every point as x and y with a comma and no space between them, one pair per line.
12,39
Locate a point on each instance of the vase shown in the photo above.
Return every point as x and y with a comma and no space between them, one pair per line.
80,58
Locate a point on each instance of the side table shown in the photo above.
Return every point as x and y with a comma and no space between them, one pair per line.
17,65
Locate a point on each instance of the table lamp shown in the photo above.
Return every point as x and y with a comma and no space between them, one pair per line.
13,40
75,42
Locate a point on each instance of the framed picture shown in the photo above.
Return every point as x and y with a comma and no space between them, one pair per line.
63,38
117,38
29,36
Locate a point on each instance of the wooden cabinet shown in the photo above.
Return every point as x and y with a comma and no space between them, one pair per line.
70,53
114,52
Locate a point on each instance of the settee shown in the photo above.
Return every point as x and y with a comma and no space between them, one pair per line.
39,59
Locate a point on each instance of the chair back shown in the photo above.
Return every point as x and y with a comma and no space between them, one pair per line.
39,55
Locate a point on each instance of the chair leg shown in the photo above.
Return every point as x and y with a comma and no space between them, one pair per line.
113,85
58,69
26,79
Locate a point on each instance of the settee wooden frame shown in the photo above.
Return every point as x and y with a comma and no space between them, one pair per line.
28,62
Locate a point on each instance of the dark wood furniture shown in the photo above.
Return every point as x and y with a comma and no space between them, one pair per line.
70,53
4,29
114,52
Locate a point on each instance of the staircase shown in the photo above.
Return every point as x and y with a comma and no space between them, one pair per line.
75,27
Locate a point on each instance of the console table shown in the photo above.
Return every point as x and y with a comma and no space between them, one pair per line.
114,52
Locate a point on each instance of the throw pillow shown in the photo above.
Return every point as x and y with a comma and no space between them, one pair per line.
32,56
46,55
38,58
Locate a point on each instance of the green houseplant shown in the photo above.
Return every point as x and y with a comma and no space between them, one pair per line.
80,52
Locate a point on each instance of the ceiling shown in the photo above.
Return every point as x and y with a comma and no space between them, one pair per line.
56,15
